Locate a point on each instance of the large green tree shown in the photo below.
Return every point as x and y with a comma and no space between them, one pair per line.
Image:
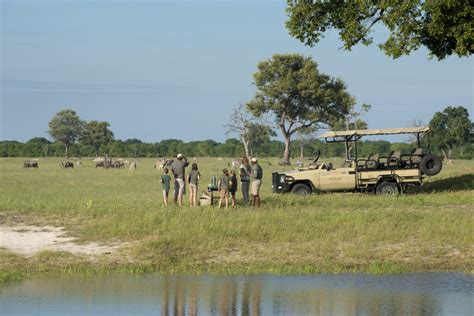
297,95
451,128
97,134
66,127
444,27
258,134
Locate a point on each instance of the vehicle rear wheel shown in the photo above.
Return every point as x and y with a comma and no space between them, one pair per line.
431,165
301,189
387,188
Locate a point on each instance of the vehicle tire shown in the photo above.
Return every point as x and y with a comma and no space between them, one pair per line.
431,165
301,189
387,188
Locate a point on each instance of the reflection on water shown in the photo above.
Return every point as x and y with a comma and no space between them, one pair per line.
348,294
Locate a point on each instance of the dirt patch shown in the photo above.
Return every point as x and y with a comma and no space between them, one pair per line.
28,240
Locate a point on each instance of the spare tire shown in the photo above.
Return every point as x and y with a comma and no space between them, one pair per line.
431,165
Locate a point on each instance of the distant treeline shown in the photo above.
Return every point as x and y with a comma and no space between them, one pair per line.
42,147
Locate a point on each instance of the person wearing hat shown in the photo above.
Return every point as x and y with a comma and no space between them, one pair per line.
178,167
256,175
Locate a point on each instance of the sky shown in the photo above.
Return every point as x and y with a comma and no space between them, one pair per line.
175,69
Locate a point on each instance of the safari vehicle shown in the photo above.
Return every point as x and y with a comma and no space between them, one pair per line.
394,174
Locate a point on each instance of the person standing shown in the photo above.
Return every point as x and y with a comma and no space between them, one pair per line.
223,186
166,185
193,179
256,176
233,187
244,173
178,167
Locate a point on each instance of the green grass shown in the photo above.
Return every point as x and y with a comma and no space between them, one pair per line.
339,232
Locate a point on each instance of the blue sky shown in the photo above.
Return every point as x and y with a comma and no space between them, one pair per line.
174,69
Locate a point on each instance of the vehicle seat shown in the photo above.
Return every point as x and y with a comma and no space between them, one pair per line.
416,155
372,161
394,159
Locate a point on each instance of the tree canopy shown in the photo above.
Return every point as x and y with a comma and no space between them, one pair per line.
443,27
297,95
451,128
66,127
97,134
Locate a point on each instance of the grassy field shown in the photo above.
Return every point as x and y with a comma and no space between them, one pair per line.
340,232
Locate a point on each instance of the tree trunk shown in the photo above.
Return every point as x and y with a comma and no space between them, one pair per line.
97,152
287,154
302,150
444,154
450,154
246,147
67,150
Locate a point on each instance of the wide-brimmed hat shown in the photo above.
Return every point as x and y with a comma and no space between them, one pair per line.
254,160
179,156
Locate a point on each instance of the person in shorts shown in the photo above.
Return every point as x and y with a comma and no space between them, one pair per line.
178,167
223,186
256,176
193,180
233,186
166,185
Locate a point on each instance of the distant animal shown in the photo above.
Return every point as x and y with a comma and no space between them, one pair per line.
78,163
67,165
133,166
299,164
163,163
100,164
30,164
118,164
234,164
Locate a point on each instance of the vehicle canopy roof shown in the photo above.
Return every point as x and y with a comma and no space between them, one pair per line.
373,132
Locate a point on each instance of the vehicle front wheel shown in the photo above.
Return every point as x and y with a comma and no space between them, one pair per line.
301,189
387,188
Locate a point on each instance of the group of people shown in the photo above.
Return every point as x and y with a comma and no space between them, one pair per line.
250,173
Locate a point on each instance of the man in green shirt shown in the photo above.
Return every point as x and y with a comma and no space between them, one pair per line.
256,176
166,185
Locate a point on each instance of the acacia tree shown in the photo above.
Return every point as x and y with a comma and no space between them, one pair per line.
97,134
239,123
66,127
258,134
451,128
252,133
443,27
305,136
291,88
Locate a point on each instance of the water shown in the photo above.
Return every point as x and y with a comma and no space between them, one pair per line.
347,294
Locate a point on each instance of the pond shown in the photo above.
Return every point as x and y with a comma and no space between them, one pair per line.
345,294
